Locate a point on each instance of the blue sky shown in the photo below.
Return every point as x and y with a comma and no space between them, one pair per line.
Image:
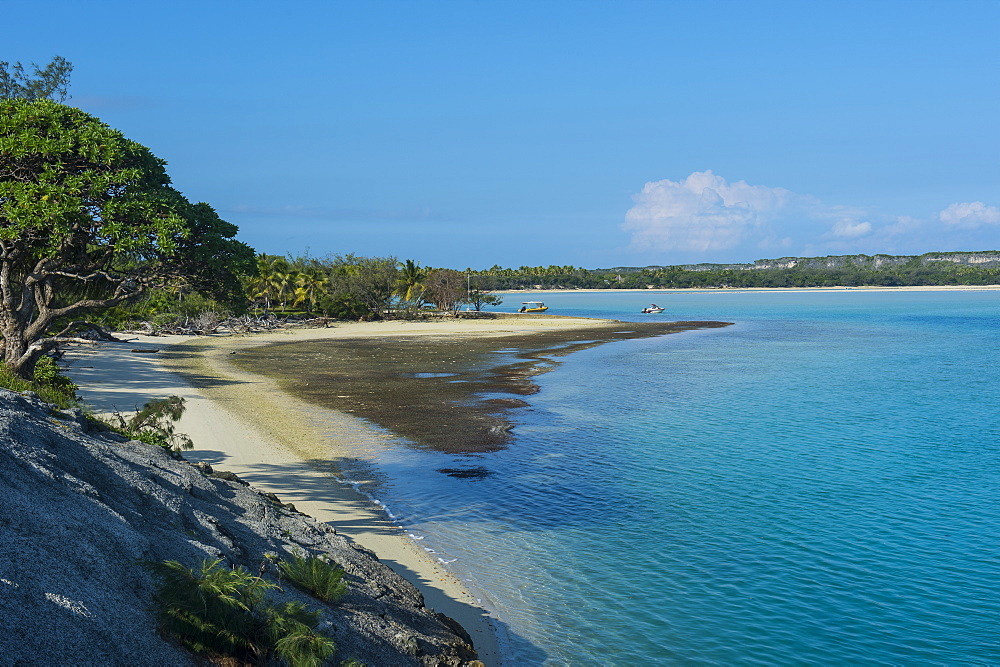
467,134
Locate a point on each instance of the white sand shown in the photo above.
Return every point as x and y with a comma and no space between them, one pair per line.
242,423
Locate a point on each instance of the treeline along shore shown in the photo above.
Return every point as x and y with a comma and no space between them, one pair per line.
934,268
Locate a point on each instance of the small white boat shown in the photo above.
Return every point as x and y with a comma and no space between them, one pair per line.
652,309
532,307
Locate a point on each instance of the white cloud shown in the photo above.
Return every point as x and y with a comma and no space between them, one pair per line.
970,215
849,229
702,213
706,218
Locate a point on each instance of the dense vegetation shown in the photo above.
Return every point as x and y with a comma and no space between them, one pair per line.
224,614
848,270
346,287
88,221
353,287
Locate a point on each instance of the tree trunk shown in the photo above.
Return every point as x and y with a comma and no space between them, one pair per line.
17,356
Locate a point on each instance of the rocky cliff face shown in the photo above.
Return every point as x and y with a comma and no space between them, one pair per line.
80,511
979,259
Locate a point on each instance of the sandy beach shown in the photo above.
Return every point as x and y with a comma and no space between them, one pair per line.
242,422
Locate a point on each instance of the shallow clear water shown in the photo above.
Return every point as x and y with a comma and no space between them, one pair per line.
815,484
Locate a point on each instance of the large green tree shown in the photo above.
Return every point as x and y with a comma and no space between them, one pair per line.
445,288
88,220
366,282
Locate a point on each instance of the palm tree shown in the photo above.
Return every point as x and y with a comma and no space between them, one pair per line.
273,281
410,286
308,284
282,283
258,287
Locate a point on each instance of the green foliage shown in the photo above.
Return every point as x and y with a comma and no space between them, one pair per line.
89,221
409,285
210,260
319,576
445,288
9,380
368,283
47,373
160,306
47,381
51,81
957,268
342,307
154,425
211,611
479,298
292,631
222,612
52,386
344,286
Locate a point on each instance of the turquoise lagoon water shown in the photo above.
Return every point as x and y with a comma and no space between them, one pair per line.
816,484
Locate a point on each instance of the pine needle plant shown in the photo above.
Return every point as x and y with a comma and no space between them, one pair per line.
212,610
292,632
318,576
224,613
154,425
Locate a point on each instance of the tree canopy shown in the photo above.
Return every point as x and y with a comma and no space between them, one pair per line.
49,82
209,259
445,288
88,219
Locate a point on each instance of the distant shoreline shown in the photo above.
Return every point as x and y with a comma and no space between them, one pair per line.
688,290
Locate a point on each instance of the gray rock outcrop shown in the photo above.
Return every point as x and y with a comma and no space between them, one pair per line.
81,511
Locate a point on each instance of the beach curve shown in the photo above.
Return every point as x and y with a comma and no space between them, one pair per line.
244,423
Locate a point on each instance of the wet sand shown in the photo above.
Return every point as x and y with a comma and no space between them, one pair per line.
452,393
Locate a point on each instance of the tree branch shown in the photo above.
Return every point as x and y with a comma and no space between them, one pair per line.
100,331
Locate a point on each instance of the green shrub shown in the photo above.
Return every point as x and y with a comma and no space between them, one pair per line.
48,382
292,631
211,611
154,425
321,577
161,307
10,381
47,372
222,612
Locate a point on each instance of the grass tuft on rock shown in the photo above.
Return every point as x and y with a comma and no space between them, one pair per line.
318,576
224,613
